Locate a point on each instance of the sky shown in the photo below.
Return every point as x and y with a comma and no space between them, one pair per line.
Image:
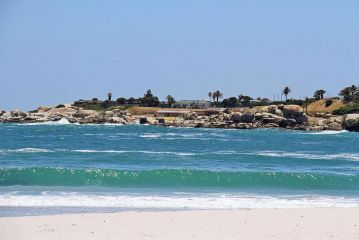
54,52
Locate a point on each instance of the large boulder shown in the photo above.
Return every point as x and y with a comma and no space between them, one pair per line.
85,113
190,116
236,117
294,112
335,126
18,114
247,117
351,122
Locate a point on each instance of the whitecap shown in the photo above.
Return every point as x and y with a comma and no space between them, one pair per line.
328,132
30,150
306,155
173,201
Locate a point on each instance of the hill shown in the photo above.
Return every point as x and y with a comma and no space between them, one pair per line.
319,106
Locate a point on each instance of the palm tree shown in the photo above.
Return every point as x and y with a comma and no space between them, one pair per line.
170,100
109,95
210,96
217,95
286,91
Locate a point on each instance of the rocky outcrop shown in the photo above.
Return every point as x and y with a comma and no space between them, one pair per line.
273,116
351,122
294,112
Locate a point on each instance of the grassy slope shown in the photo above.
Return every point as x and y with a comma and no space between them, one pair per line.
319,106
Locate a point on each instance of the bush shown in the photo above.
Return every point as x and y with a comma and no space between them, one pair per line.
350,108
328,102
121,100
60,106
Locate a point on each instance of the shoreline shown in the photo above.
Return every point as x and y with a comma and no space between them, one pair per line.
290,117
303,223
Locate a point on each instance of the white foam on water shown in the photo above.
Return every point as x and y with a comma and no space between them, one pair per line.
328,132
30,150
318,156
150,135
134,151
213,201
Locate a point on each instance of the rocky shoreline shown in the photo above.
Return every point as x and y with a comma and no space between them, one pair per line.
275,116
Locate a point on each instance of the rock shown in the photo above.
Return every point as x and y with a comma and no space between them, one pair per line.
190,116
278,112
85,113
143,120
294,112
117,120
259,116
236,117
351,122
43,109
272,109
271,125
284,123
161,120
18,114
247,117
335,126
244,126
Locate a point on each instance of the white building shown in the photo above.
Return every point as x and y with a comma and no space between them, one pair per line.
202,104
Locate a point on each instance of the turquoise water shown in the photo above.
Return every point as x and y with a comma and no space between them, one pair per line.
86,167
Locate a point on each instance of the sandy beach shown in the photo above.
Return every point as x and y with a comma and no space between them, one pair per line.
308,223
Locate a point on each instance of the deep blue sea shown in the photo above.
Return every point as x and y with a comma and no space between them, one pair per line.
57,168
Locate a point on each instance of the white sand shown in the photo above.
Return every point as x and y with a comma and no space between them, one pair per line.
309,223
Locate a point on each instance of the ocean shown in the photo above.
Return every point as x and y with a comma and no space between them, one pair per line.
68,168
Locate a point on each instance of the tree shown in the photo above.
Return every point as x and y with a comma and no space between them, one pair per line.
353,89
210,96
149,100
230,102
109,95
131,100
346,93
286,92
319,94
217,95
121,100
245,100
170,100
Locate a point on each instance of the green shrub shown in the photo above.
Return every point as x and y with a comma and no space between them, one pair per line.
328,102
60,106
350,108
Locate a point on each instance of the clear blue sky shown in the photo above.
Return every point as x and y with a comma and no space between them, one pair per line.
58,51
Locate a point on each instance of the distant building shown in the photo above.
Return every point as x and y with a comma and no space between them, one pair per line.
202,104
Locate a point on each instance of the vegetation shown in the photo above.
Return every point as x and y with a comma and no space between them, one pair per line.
349,108
319,94
286,91
230,102
60,106
121,100
170,100
347,102
149,100
217,95
328,102
350,94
